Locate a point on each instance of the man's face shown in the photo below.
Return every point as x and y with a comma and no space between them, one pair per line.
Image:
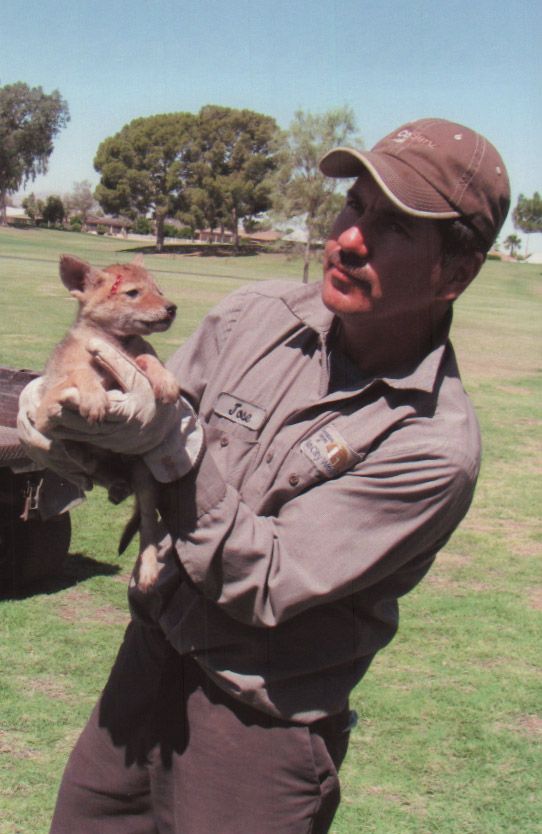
380,262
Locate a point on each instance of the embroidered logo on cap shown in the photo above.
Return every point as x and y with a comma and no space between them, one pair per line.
239,411
329,452
406,135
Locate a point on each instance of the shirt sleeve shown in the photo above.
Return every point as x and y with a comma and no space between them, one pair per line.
382,521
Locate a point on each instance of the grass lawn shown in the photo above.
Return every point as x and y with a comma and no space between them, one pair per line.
450,727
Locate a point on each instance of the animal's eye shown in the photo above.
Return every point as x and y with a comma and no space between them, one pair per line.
132,293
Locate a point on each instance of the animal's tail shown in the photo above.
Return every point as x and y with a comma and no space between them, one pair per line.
129,531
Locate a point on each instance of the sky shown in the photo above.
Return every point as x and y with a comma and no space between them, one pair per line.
474,62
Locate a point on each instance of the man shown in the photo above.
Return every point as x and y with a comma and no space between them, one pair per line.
340,454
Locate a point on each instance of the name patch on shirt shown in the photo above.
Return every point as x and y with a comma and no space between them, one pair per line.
329,452
239,411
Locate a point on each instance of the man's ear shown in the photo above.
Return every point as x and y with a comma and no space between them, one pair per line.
457,274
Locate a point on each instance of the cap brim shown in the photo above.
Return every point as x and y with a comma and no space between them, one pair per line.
406,189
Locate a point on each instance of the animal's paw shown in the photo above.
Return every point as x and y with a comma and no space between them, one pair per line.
165,387
167,390
50,410
54,410
148,568
46,415
70,396
93,405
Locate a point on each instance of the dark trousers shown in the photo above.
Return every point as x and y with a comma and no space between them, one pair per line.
168,752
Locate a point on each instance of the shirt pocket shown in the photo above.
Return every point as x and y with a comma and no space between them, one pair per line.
234,448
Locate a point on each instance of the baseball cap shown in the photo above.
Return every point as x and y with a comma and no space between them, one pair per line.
436,169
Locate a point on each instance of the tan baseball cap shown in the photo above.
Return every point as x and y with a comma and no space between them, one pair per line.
436,169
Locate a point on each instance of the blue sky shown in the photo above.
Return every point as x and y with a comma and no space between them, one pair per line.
475,62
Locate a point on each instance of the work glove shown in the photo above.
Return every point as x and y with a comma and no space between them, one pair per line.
167,436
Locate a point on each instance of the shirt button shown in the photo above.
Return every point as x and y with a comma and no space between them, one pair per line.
224,441
293,480
269,457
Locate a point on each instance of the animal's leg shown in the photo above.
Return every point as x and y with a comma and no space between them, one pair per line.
51,404
109,471
147,499
91,399
83,390
164,385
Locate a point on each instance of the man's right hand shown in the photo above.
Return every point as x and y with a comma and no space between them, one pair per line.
69,460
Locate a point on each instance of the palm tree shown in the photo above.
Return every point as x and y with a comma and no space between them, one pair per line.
512,243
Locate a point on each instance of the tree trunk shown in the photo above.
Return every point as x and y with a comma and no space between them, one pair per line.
235,224
307,257
160,222
3,217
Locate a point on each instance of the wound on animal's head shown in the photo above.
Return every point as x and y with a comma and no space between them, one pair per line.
116,284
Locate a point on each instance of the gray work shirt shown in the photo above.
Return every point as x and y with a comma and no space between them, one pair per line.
321,498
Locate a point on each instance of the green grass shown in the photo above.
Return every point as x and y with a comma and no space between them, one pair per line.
37,308
450,725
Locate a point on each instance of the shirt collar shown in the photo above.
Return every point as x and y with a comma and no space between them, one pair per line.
423,375
306,304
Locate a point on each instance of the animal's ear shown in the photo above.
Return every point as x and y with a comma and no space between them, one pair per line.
76,275
138,260
73,272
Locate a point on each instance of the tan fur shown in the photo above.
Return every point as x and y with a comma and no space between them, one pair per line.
119,304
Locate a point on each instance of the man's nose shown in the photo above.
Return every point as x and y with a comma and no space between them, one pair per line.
352,240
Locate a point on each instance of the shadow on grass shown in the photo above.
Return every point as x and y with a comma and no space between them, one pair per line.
76,568
204,251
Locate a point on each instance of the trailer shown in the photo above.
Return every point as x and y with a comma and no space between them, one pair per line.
35,525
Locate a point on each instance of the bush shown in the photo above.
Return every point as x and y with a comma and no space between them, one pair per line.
142,226
175,231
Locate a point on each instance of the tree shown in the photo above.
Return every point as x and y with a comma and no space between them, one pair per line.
196,210
237,153
142,226
211,168
300,188
53,211
81,199
33,207
527,215
29,121
144,168
512,243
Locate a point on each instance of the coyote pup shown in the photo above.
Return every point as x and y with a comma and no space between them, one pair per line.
119,304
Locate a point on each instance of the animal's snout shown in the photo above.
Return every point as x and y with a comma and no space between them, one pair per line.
171,310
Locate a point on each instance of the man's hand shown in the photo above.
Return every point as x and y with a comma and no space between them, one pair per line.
167,436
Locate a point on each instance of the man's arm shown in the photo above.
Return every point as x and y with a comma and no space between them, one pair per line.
337,538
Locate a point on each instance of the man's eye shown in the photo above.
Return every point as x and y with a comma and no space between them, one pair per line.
396,227
132,293
354,204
